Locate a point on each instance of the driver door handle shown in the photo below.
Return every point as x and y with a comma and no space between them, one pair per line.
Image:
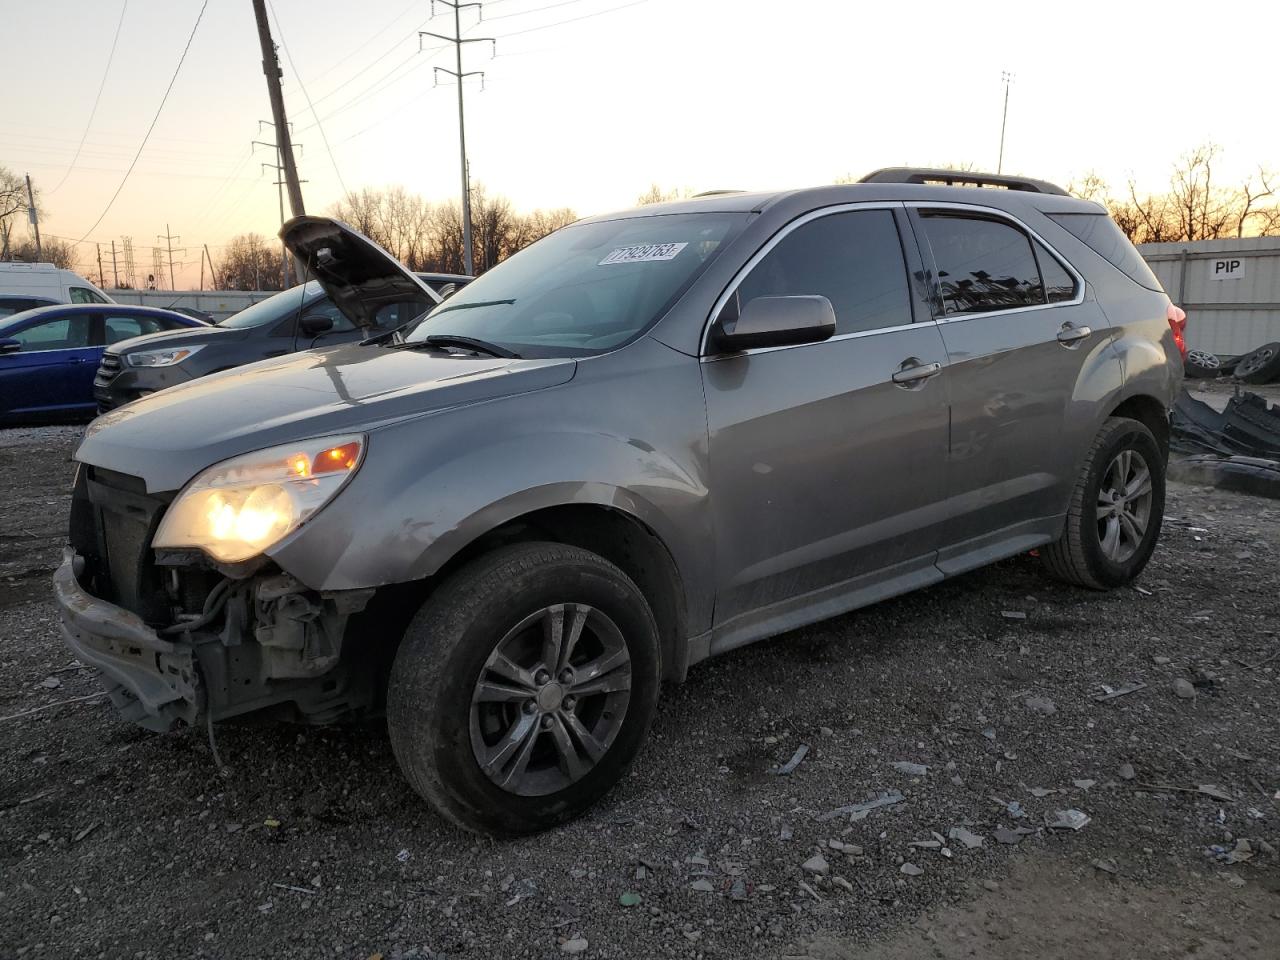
1070,333
916,372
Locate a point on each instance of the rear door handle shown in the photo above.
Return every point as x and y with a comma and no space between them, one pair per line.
916,372
1070,333
77,360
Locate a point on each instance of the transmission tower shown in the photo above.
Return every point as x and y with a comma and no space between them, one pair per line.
157,269
168,238
130,268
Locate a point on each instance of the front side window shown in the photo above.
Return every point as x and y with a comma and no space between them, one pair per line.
853,259
122,328
982,264
85,295
64,333
274,308
586,288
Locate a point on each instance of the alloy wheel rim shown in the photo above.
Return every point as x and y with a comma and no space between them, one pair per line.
1204,359
550,699
1124,506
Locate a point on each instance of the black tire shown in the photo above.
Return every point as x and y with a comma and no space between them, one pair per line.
1261,365
1078,557
1201,365
446,650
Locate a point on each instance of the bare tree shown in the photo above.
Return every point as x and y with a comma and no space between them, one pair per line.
1090,187
1249,209
249,263
655,194
13,201
61,253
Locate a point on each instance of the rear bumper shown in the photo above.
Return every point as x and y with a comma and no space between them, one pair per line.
151,681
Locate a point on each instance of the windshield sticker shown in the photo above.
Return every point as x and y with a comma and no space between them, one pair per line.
643,253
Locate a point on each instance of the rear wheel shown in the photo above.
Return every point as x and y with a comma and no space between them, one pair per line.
1117,505
524,687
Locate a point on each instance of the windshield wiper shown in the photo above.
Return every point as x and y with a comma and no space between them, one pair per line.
473,305
468,343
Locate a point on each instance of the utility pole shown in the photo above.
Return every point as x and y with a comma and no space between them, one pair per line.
271,67
101,281
213,274
1006,78
115,274
33,217
278,166
168,237
458,40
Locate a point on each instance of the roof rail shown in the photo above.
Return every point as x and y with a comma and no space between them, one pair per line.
961,178
714,193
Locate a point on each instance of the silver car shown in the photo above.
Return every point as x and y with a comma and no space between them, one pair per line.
645,440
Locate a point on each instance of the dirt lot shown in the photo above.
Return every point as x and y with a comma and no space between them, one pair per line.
119,843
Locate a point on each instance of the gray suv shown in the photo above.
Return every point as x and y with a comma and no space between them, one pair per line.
647,439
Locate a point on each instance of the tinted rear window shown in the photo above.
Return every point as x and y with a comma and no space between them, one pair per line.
982,264
1100,234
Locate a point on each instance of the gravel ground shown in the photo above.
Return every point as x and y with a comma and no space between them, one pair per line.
119,843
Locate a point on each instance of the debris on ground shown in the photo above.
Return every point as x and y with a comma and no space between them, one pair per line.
1184,689
970,840
1041,705
1111,693
858,811
1067,820
576,945
910,869
789,767
1011,837
816,864
911,769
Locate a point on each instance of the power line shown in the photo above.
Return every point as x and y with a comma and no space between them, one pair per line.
356,49
96,100
292,66
154,120
560,23
525,13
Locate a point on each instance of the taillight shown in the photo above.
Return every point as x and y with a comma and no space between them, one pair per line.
1178,324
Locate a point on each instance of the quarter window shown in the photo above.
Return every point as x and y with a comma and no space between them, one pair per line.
1059,284
853,259
982,264
84,295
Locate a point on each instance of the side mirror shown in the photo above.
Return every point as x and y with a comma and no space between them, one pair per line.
777,322
9,345
316,324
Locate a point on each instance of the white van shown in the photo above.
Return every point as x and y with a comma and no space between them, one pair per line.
27,285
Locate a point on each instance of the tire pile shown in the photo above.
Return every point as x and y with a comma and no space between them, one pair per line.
1258,366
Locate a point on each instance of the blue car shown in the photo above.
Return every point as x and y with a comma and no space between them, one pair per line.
49,355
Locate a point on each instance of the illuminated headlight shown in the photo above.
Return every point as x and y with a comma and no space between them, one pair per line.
238,508
161,358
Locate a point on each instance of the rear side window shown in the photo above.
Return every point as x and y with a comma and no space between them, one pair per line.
982,264
1059,284
853,259
122,328
1100,234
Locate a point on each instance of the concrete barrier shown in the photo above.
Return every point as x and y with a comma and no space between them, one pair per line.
220,304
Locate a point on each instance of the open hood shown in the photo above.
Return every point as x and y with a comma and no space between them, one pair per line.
357,274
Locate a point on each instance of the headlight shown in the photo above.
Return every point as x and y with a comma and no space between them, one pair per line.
161,358
238,508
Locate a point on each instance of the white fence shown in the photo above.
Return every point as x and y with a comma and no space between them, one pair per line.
1229,288
218,303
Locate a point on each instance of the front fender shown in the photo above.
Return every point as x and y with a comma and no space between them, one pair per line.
431,486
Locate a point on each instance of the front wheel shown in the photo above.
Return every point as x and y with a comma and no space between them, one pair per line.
524,687
1117,505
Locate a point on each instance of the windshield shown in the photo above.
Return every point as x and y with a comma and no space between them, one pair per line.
586,288
274,308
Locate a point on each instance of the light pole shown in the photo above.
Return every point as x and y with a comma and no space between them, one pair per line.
1006,78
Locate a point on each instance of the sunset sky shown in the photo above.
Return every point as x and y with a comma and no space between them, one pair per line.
588,102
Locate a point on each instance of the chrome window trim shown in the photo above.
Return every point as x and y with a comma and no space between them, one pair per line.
765,250
994,213
855,335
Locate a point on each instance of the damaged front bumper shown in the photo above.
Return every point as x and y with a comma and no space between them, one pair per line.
152,681
269,643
